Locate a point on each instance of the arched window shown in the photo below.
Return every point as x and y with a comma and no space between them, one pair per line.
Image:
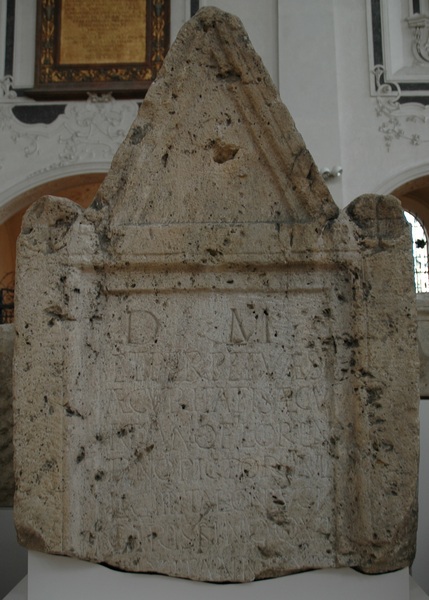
420,252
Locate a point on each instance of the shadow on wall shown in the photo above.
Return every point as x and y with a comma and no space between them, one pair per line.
13,557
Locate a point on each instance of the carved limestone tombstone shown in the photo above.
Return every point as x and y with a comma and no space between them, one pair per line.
215,368
7,335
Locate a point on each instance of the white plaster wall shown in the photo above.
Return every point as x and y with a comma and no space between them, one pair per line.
368,165
308,79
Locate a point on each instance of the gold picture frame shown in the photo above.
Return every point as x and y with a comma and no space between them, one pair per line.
99,46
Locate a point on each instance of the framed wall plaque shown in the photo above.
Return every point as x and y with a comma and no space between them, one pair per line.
99,46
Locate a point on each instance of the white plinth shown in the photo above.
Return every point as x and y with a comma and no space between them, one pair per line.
60,578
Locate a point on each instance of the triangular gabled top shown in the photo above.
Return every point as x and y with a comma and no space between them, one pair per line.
213,143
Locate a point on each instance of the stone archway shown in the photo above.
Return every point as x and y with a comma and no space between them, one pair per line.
414,197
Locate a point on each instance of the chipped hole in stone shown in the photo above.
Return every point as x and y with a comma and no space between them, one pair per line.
279,502
72,413
131,542
229,75
224,152
165,159
99,475
81,455
214,252
122,432
48,466
138,133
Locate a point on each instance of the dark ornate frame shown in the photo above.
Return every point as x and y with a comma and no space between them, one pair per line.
405,91
59,81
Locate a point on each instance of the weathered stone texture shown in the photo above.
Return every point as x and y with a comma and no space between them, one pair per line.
7,338
215,369
423,339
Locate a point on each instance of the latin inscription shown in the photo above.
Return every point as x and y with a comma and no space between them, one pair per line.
216,412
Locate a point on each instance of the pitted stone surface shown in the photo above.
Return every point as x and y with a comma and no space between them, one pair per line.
215,369
423,339
7,338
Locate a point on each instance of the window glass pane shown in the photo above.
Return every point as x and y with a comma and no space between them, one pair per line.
420,252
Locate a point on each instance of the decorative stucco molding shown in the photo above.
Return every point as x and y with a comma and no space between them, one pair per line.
419,24
87,132
408,121
399,67
6,90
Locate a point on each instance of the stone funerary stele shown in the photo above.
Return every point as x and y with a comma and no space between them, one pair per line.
215,368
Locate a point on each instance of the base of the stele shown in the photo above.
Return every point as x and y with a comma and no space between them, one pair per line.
54,577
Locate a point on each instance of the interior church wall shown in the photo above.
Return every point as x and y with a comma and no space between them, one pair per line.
318,52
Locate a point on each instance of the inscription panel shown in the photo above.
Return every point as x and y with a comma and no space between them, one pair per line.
219,408
90,32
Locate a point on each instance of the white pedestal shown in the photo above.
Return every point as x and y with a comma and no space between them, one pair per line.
60,578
